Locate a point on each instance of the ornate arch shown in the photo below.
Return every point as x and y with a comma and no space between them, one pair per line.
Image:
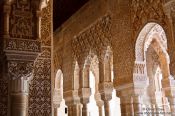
145,38
152,32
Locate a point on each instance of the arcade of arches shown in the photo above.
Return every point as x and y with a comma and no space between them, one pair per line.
110,58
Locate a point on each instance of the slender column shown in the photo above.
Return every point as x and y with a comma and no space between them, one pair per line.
99,103
84,90
106,95
126,104
137,105
73,102
73,110
100,107
55,111
105,85
107,108
85,110
70,111
19,97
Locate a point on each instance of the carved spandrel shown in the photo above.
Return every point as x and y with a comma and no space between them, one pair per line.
143,11
96,37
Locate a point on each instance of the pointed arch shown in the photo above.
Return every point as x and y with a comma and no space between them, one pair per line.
145,37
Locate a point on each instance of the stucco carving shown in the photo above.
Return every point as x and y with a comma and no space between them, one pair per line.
22,20
145,38
40,86
94,38
146,10
20,69
23,45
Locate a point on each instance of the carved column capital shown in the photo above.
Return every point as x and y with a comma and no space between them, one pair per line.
105,90
84,94
20,69
71,97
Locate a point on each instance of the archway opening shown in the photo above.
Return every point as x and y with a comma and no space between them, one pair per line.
151,67
60,109
115,101
92,107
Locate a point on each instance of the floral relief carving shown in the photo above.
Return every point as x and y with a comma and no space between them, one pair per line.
40,86
22,21
146,10
19,69
46,26
23,45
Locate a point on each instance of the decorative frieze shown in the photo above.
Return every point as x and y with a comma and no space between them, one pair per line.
22,45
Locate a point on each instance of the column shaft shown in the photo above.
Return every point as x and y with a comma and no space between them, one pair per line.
107,108
55,111
84,110
74,110
19,105
137,109
100,109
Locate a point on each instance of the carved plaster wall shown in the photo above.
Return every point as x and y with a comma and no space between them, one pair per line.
40,86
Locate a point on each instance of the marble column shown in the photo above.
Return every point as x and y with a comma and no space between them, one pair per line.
100,107
107,108
137,105
73,102
55,111
85,110
105,83
105,90
84,88
74,110
19,97
126,104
